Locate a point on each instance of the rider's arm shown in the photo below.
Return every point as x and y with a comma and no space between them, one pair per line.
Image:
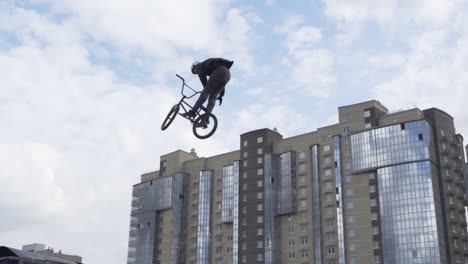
203,79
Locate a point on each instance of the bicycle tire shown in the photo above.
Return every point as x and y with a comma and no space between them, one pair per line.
196,125
170,117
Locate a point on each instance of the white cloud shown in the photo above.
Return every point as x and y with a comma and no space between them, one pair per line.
311,66
386,61
394,17
434,76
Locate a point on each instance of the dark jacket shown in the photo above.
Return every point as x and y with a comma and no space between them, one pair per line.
207,67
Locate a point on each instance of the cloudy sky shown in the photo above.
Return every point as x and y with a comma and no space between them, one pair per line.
85,85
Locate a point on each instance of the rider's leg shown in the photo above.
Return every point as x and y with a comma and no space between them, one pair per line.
220,77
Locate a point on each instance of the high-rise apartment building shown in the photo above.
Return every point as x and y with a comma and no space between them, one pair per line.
376,187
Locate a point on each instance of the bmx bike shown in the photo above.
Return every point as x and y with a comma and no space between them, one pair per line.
203,124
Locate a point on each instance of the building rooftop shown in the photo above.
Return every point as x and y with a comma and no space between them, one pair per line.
7,252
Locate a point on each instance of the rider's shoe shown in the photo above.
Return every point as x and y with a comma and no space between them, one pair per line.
188,114
203,123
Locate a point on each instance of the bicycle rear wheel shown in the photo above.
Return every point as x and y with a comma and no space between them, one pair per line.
170,117
202,129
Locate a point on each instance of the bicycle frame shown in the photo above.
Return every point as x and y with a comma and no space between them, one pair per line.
184,105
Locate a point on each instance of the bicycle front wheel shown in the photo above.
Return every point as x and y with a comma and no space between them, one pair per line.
170,117
205,125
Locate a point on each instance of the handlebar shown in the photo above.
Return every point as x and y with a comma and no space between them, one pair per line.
183,86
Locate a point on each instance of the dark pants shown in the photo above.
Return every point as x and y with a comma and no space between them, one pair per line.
213,88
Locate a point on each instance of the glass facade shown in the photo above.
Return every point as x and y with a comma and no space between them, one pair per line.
148,199
316,204
287,183
227,193
394,144
204,217
235,214
271,227
339,199
178,218
410,214
410,209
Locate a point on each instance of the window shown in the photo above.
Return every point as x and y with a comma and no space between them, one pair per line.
377,259
244,209
259,219
347,152
245,143
244,258
328,172
244,197
259,207
330,222
302,179
291,242
259,183
259,151
290,229
326,148
290,218
303,191
442,132
259,139
351,218
259,256
292,255
328,185
350,205
244,246
245,154
420,137
374,216
367,113
347,165
244,174
331,250
373,202
371,176
301,155
303,227
244,186
259,244
352,232
259,171
305,253
328,198
375,230
352,247
327,160
244,163
376,244
349,192
349,178
346,129
303,204
330,236
302,168
259,195
371,188
304,241
259,231
345,117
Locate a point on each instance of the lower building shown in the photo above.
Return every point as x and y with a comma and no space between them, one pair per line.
31,256
377,187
